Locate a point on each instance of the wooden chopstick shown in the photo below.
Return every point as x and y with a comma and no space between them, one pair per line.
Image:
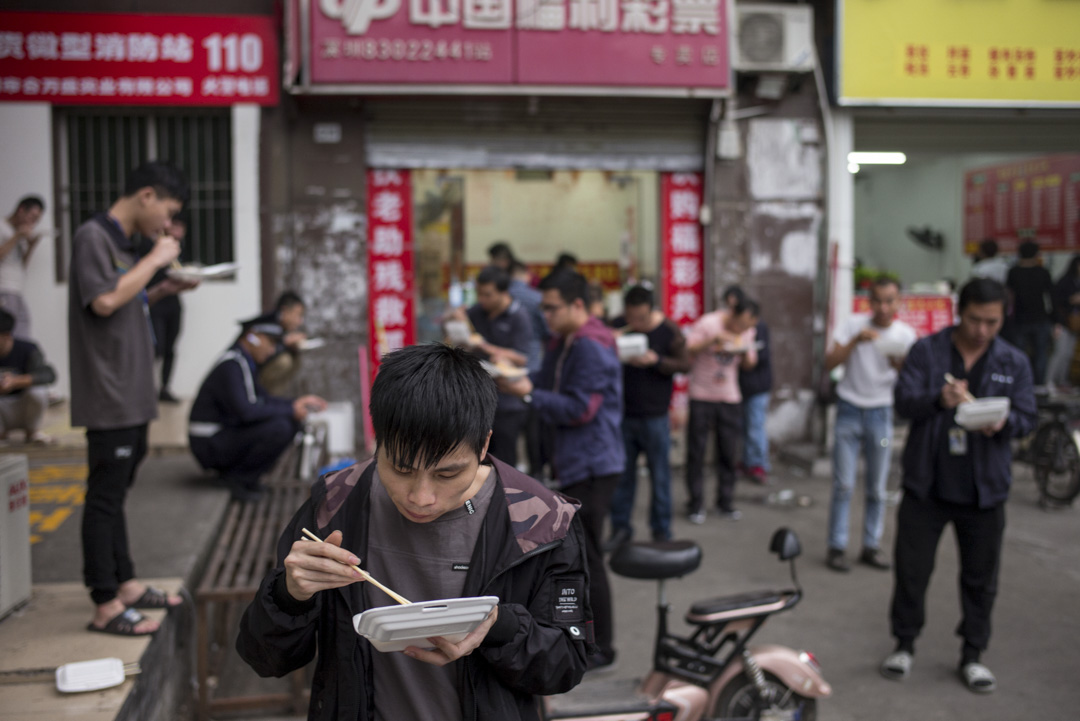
367,576
951,380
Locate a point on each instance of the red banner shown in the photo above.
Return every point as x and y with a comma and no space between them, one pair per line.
391,301
925,313
1037,199
118,59
682,263
641,43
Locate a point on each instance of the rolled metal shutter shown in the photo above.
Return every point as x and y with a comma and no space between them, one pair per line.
537,133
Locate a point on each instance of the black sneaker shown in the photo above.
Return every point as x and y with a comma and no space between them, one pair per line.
836,560
618,537
875,558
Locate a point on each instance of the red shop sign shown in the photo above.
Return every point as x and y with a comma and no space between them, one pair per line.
925,313
117,59
682,263
635,43
1036,199
391,302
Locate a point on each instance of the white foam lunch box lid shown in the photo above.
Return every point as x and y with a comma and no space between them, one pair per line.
394,628
632,344
982,412
90,675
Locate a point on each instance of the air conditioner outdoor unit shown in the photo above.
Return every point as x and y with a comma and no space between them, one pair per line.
774,38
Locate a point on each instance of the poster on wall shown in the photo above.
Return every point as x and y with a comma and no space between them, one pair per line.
1036,199
121,59
627,43
1016,53
682,261
927,314
391,301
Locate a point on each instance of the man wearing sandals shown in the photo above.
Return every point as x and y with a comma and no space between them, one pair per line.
433,517
112,386
957,475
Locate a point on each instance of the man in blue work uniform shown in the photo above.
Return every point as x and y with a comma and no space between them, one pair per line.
236,427
957,474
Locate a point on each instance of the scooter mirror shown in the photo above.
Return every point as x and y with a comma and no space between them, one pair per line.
785,544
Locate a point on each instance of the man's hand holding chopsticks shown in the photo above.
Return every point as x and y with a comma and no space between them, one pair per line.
445,652
312,567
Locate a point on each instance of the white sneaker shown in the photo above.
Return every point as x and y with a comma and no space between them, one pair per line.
697,518
897,665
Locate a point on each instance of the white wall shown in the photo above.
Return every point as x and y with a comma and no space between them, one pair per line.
927,190
210,312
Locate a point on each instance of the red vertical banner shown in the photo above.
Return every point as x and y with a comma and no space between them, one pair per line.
682,264
391,300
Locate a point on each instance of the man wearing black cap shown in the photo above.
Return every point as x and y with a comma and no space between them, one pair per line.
236,427
23,377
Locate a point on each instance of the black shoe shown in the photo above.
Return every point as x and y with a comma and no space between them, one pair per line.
874,558
600,661
618,537
836,560
166,397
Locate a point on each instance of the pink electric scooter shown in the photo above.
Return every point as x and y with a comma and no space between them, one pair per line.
713,674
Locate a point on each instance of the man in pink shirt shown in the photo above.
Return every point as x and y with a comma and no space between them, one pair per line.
720,343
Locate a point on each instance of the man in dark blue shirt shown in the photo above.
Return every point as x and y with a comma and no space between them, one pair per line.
23,377
956,474
507,332
236,427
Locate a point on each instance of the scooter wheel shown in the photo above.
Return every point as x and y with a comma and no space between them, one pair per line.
740,699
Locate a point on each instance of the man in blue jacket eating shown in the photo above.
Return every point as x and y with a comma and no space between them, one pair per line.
956,474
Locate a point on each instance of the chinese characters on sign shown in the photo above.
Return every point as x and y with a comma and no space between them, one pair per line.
925,313
391,313
113,59
1036,199
682,269
681,43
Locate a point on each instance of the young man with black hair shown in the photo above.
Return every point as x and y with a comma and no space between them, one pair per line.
871,348
112,385
721,343
577,395
236,427
507,333
277,372
646,426
957,475
17,243
23,377
432,517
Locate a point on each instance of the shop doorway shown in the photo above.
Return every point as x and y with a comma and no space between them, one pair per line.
608,220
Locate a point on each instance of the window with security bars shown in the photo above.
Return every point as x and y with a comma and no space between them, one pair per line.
96,148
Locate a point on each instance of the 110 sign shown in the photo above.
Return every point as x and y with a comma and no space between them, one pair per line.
233,52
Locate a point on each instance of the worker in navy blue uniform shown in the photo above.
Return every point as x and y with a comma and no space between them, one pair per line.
236,427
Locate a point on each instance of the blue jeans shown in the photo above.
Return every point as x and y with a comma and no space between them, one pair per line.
651,435
756,440
868,430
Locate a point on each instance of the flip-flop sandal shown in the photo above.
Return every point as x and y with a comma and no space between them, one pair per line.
978,678
897,665
153,599
122,624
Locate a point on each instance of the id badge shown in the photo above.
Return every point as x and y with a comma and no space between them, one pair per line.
958,441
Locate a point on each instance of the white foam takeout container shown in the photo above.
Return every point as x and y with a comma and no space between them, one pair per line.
395,628
982,413
632,345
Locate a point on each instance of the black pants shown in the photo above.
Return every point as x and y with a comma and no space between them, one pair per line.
534,443
595,496
113,456
726,421
245,453
165,316
978,537
504,435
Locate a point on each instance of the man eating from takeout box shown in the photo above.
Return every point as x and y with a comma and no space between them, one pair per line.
432,516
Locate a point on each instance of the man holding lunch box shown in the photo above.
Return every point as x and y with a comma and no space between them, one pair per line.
433,516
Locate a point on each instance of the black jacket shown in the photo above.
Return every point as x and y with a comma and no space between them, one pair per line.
531,546
1007,373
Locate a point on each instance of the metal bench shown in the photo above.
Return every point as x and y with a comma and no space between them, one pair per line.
245,550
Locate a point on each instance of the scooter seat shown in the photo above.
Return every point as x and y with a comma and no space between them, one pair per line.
724,607
657,560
